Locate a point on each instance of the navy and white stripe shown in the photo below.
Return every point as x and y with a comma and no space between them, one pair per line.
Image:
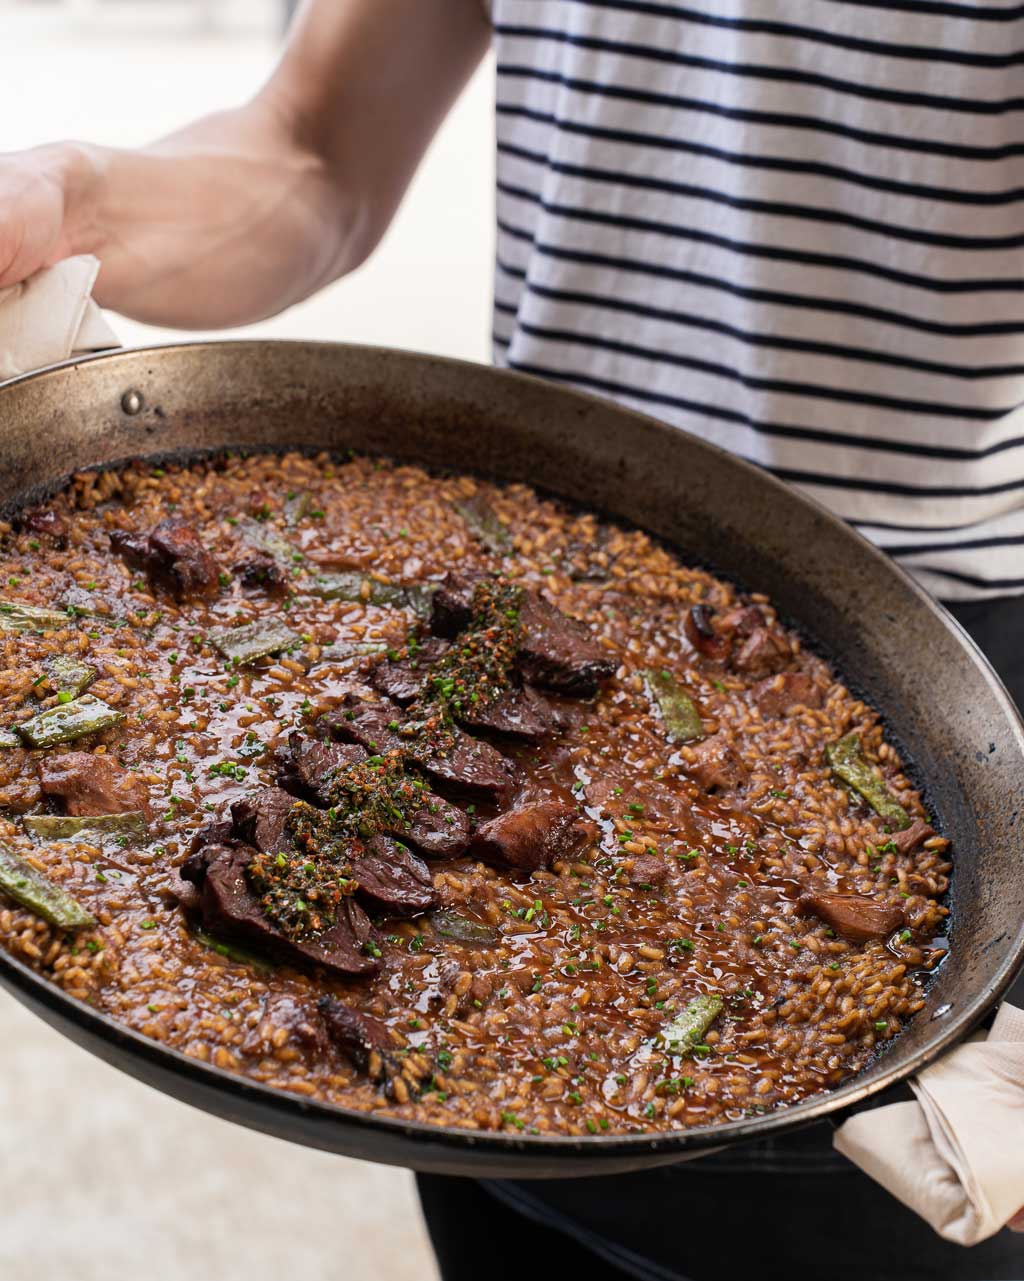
796,230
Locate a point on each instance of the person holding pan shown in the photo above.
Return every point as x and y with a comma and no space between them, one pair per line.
793,230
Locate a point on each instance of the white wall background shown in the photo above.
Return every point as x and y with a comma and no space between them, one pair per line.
102,1178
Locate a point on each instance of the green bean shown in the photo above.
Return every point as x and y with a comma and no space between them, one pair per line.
16,616
677,708
265,538
483,523
354,586
452,926
82,604
61,827
29,887
297,506
689,1028
231,951
63,724
848,765
246,644
351,651
69,675
8,738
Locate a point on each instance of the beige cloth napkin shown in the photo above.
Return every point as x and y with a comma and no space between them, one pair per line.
956,1155
50,317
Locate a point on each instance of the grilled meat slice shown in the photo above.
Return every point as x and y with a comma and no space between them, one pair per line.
393,877
229,908
404,678
307,765
360,1036
373,1048
260,819
554,652
521,712
372,723
449,757
559,653
437,828
451,609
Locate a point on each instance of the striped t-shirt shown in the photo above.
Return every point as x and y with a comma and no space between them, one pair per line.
796,230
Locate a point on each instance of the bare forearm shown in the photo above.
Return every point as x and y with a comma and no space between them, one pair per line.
221,224
243,213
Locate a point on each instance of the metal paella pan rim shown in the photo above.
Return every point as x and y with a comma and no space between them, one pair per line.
890,641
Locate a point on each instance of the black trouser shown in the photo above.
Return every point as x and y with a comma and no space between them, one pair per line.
790,1209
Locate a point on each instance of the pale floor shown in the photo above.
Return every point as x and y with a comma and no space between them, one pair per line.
100,1177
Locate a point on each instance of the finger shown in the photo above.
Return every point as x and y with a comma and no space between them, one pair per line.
1016,1224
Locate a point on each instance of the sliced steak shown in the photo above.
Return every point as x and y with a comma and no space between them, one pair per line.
219,831
718,765
555,652
530,836
520,713
372,723
852,916
229,908
403,679
260,819
451,609
307,765
437,828
393,877
468,767
302,1022
559,653
916,834
172,556
776,695
452,759
88,784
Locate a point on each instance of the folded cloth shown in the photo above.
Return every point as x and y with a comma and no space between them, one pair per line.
50,317
956,1155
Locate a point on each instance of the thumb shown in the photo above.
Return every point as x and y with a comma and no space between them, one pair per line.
1016,1224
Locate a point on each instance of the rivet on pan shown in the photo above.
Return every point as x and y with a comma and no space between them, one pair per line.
132,402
